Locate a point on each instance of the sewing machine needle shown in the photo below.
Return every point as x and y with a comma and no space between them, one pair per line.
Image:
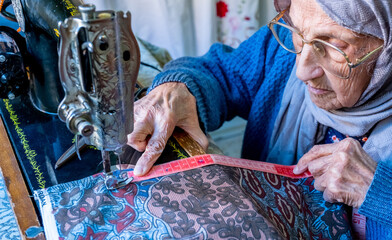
119,157
119,161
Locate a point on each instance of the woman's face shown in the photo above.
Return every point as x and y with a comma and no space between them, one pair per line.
326,90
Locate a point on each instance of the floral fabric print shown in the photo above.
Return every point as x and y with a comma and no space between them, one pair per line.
213,202
334,136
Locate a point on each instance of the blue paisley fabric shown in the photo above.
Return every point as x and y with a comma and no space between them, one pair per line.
212,202
9,228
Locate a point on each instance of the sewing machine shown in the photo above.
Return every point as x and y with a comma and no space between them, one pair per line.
98,63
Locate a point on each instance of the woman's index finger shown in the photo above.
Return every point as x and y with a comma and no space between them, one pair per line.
315,152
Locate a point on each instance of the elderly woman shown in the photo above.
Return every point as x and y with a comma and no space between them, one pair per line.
320,73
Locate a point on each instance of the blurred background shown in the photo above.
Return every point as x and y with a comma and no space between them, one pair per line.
189,28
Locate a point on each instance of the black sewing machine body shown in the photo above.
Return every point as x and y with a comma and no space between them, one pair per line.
38,21
37,134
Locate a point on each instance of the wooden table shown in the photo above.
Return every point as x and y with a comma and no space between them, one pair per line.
24,209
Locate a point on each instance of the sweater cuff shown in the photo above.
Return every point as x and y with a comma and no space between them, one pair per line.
378,200
376,231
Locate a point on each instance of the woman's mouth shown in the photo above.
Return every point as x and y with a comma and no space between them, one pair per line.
317,91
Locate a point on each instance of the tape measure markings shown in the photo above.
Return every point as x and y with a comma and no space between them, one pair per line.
209,159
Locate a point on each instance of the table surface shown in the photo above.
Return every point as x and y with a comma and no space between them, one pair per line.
24,209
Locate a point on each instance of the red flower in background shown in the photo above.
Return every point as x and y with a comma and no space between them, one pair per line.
221,9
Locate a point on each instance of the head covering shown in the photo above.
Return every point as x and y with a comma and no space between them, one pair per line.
369,17
297,130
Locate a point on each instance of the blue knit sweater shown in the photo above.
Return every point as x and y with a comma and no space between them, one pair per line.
249,82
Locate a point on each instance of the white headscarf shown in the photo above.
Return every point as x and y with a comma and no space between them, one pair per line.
300,123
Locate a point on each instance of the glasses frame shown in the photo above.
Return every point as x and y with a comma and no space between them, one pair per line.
350,64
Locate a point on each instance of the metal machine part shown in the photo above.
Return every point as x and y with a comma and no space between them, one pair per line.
99,61
17,5
39,21
13,77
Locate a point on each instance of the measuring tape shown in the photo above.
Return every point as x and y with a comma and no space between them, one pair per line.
209,159
358,220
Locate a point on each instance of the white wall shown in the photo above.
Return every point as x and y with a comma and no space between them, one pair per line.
186,27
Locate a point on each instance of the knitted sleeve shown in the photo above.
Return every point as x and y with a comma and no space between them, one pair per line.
225,80
378,202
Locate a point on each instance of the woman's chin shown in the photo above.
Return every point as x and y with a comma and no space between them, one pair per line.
324,102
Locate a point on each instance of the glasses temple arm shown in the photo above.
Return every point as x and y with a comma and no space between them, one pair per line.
364,58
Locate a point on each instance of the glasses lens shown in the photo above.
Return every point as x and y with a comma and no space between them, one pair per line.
287,38
331,59
328,56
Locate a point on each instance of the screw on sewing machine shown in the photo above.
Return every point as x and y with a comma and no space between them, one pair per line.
85,128
11,96
103,42
88,46
4,78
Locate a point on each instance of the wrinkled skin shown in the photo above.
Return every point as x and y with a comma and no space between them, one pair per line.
156,115
343,171
326,90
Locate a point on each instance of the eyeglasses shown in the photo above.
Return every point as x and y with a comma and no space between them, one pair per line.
330,57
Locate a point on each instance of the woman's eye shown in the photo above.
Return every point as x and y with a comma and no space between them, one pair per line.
338,43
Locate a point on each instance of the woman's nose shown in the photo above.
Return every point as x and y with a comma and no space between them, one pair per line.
308,67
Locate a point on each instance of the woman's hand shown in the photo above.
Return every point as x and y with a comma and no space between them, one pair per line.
343,171
156,115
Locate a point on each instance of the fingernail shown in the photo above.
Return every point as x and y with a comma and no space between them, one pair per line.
138,171
296,170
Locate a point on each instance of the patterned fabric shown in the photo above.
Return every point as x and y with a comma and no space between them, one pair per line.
213,202
8,226
334,136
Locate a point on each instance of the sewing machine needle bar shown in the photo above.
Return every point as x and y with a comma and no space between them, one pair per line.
106,161
119,153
